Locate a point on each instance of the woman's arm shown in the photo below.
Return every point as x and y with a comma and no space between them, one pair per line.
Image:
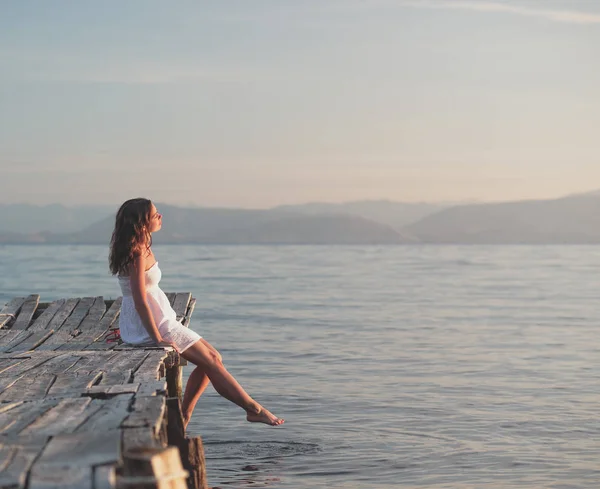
137,279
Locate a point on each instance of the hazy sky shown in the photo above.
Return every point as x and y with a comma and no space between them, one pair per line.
254,103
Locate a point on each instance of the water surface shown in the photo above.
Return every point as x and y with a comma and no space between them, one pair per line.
402,366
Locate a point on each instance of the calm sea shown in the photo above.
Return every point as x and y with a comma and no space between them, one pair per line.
408,366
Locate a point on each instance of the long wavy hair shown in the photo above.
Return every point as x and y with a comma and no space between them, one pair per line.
131,235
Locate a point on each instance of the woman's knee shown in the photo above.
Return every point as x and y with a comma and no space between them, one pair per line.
216,360
211,348
204,357
219,356
209,360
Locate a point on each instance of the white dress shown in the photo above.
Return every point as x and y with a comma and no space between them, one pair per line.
130,323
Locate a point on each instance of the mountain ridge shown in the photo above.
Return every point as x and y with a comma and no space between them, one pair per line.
572,219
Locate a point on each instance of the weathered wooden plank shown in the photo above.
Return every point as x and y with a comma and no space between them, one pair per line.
124,388
105,477
133,438
95,314
171,297
35,339
20,455
7,454
153,468
13,421
107,390
36,384
11,338
101,344
111,315
108,414
45,355
43,321
69,327
68,460
188,316
186,322
147,412
54,341
82,450
90,360
6,382
23,363
62,323
9,363
146,347
88,330
22,366
27,388
58,320
152,367
152,388
104,326
61,362
181,303
120,367
81,310
74,382
42,306
65,417
9,312
45,476
7,406
27,310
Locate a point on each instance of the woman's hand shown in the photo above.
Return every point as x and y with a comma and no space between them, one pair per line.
164,342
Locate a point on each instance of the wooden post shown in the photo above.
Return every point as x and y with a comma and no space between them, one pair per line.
190,449
152,468
175,381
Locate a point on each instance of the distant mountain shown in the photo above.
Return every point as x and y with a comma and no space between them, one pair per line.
180,225
572,219
57,218
394,214
569,220
593,193
331,229
22,238
234,226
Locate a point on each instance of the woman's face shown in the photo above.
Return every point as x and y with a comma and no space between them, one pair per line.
155,220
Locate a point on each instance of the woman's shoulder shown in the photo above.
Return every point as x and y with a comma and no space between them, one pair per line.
138,261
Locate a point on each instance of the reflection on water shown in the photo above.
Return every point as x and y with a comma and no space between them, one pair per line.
256,463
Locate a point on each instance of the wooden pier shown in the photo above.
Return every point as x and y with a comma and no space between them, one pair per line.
78,411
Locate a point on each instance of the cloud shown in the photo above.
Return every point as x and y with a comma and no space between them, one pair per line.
565,16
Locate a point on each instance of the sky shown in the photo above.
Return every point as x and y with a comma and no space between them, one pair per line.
239,103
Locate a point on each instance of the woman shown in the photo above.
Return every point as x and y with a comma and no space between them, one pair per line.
147,317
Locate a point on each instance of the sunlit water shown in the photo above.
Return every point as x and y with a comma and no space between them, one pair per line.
409,366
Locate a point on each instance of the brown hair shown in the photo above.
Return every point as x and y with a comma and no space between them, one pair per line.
131,235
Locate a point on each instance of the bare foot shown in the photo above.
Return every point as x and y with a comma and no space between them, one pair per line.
264,416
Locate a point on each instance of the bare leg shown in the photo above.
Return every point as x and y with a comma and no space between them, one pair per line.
194,388
206,357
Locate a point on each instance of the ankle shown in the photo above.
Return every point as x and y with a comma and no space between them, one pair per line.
254,408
